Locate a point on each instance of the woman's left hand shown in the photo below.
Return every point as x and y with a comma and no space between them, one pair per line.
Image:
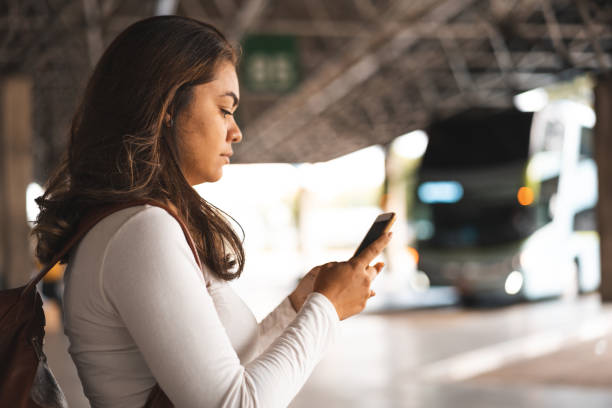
304,288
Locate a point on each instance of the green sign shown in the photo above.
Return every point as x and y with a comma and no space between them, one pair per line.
270,63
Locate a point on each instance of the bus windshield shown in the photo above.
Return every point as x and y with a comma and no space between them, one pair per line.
469,181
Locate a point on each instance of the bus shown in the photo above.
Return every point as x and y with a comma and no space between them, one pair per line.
504,206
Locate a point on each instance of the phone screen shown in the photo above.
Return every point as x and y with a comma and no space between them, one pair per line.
379,227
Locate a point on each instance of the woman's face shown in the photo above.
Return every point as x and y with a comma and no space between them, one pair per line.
206,128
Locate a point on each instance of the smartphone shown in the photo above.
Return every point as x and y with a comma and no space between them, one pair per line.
381,225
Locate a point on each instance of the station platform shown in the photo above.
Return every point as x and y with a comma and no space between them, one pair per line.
546,354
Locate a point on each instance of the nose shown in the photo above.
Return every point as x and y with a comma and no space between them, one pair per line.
234,134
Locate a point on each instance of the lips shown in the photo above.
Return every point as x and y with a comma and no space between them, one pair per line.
227,156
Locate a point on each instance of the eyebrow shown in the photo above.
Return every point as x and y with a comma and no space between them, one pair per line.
233,95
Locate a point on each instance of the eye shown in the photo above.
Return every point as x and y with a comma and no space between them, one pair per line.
226,113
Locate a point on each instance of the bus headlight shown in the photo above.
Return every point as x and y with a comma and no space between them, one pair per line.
514,283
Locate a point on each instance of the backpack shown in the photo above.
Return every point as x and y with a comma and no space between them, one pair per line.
26,381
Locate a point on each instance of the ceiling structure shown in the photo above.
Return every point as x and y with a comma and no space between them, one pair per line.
369,70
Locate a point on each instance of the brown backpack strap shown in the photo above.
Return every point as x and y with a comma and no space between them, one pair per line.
95,216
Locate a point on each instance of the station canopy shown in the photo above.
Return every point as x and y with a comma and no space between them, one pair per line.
322,78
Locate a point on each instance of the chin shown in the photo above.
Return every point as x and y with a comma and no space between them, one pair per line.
215,177
205,176
207,179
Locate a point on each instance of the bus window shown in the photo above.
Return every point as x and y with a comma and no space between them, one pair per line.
545,205
586,143
585,220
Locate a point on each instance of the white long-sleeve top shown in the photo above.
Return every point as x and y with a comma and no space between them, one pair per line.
138,310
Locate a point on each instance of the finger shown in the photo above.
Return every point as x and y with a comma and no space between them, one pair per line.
371,272
373,250
372,294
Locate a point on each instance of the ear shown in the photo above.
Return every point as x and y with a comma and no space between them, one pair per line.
168,120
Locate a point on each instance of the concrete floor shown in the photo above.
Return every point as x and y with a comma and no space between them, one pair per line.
547,354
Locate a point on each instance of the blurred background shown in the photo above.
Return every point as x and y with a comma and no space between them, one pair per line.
484,124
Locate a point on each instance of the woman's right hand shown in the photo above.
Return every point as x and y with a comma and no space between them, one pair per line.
347,284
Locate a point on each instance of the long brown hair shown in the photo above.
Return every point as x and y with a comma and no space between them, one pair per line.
119,149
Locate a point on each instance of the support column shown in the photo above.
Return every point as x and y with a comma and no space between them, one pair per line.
15,174
603,153
400,266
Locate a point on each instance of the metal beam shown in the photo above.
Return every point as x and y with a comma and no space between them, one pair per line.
226,8
93,33
67,14
248,15
108,7
359,28
503,56
366,9
554,31
362,60
458,66
588,21
194,9
165,7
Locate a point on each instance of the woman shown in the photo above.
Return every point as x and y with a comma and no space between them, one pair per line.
156,119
